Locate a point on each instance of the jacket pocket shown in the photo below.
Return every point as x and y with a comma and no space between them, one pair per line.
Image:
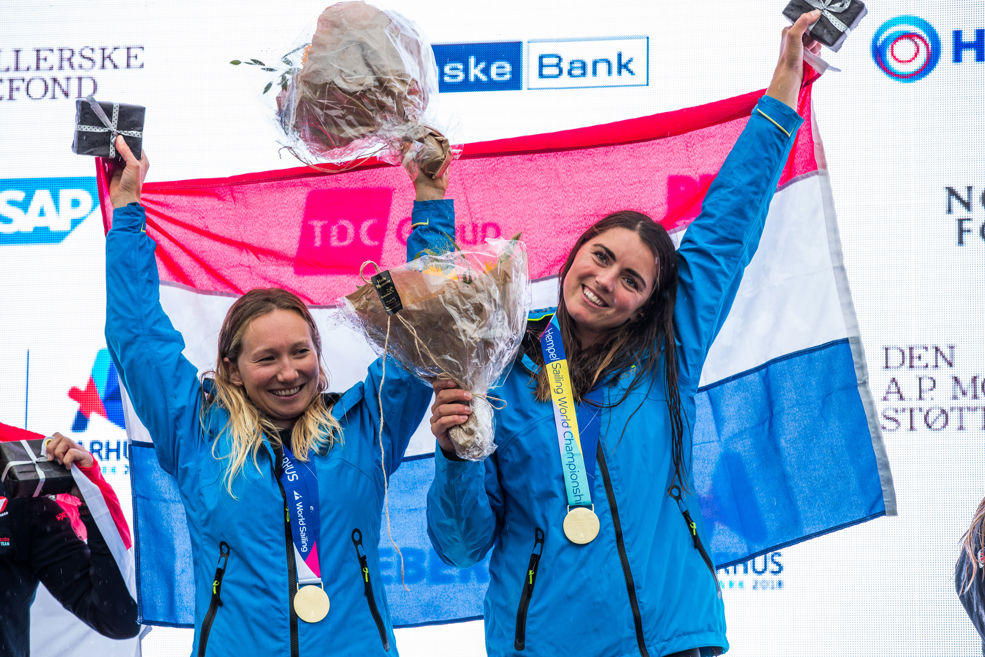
216,602
357,541
692,529
520,640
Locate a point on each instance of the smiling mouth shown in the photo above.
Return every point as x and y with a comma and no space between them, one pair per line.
591,296
289,392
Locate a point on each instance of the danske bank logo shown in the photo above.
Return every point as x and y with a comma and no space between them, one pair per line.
549,64
43,210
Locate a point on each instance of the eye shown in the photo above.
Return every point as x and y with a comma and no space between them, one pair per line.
303,351
601,256
265,359
631,282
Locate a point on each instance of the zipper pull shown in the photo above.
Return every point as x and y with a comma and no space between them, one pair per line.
220,570
357,540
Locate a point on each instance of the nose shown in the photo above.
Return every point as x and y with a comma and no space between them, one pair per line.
606,278
286,373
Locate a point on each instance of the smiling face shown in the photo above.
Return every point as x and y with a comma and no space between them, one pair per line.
611,276
277,366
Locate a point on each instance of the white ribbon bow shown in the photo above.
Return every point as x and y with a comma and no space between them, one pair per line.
829,6
109,125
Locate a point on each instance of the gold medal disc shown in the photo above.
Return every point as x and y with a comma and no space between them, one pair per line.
581,525
311,603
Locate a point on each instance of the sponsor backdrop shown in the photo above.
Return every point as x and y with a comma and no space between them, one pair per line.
901,125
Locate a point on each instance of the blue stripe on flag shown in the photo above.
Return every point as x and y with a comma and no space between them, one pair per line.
793,429
165,590
438,593
783,453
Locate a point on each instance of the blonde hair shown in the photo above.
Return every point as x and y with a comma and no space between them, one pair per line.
971,543
315,430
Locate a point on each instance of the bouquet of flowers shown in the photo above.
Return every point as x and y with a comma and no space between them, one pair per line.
461,315
361,88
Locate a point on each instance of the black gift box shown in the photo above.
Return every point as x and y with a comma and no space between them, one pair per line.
24,476
94,137
835,16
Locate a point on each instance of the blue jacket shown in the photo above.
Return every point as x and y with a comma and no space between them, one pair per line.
242,551
645,585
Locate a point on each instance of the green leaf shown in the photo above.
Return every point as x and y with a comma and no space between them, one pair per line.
257,62
235,62
267,88
267,68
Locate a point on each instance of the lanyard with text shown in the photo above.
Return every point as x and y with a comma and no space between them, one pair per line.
301,490
581,525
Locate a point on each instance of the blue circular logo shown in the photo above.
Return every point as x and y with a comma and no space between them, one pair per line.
906,48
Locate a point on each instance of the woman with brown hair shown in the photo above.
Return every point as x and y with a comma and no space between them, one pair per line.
613,564
282,483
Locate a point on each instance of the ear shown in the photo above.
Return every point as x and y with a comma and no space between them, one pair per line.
233,371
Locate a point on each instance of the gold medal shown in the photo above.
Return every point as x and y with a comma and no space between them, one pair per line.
581,525
311,603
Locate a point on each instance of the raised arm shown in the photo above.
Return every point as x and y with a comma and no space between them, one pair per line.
146,348
405,397
721,241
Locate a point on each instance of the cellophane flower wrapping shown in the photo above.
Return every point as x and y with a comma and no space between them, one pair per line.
463,315
362,88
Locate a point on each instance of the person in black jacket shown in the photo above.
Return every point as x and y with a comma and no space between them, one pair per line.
38,544
969,574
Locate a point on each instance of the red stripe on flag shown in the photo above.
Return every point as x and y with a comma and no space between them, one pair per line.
309,232
94,474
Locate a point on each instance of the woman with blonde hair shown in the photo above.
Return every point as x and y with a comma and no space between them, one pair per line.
282,483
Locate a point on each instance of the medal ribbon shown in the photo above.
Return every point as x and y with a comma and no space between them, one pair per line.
301,489
576,481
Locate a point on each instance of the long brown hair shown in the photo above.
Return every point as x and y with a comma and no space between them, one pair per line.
315,429
638,344
972,542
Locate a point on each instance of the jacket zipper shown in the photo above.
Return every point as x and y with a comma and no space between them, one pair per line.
220,571
292,574
528,588
692,528
630,585
357,540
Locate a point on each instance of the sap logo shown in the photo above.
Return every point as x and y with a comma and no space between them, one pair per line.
479,66
101,395
580,63
341,229
908,48
43,210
